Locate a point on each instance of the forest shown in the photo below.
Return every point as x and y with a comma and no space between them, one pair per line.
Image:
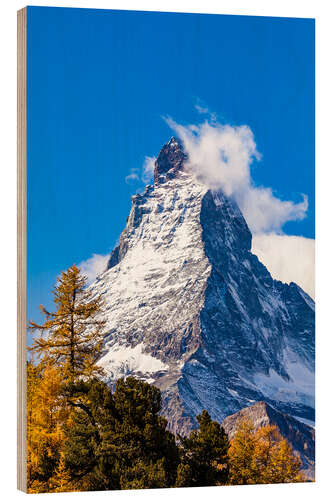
83,435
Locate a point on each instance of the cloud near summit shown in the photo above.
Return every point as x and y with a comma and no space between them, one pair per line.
95,265
220,156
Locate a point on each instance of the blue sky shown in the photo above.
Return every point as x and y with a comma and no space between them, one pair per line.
99,82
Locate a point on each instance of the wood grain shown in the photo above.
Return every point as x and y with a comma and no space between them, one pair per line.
21,246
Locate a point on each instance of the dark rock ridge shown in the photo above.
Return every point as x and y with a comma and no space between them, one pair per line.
190,309
170,160
300,436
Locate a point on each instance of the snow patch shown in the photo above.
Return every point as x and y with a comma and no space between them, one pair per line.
121,361
299,389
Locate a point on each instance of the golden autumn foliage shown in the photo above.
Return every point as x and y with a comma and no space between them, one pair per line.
71,337
68,348
61,480
46,415
262,456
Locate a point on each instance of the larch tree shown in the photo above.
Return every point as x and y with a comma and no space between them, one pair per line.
68,348
46,416
275,460
72,336
241,454
262,456
61,480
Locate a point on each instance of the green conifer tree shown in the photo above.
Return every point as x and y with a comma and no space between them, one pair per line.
119,441
204,455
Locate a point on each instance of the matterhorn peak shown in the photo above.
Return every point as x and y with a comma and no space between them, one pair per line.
191,310
170,160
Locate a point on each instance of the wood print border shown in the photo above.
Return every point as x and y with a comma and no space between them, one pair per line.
21,244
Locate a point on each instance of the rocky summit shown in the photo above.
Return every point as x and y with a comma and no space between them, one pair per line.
191,310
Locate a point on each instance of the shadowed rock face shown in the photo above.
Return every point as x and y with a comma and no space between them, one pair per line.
299,435
190,309
170,160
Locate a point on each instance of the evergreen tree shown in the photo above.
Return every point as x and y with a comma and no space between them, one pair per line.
146,448
204,455
71,337
87,453
118,441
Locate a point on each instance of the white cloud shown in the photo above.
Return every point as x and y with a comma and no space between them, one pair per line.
201,109
94,266
133,176
221,156
288,258
146,174
148,168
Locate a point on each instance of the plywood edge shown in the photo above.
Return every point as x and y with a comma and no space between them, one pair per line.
21,246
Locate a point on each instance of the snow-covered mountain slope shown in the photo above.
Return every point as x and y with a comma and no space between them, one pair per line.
190,309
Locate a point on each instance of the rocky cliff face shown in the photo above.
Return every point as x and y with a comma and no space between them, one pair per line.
300,436
190,309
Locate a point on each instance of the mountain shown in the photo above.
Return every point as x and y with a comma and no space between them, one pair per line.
191,310
300,436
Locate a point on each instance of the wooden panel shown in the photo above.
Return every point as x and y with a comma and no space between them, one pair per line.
21,245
